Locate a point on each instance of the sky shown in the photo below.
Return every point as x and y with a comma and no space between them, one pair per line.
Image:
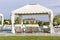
6,6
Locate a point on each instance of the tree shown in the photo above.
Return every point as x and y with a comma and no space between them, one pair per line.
7,21
46,23
18,20
40,23
56,20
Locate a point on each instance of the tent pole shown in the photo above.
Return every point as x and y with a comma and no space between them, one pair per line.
51,22
2,20
12,20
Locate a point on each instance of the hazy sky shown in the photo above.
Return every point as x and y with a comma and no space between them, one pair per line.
6,6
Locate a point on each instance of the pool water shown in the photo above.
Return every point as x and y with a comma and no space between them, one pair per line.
6,29
41,28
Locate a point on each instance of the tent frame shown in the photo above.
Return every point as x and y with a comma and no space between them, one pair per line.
50,14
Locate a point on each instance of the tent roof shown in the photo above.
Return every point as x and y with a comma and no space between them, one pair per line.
29,9
1,14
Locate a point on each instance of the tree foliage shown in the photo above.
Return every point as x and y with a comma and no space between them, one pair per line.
56,19
7,22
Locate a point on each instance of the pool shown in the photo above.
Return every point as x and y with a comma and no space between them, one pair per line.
41,28
6,28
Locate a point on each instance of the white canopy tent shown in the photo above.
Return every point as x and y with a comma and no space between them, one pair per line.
2,19
33,10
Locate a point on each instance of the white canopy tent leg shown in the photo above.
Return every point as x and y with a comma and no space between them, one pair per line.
12,20
2,20
51,22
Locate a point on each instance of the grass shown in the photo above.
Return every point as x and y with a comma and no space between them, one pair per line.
29,37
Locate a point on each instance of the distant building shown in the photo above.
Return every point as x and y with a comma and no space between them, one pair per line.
30,21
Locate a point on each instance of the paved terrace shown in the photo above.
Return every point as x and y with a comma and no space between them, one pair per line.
28,34
8,33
